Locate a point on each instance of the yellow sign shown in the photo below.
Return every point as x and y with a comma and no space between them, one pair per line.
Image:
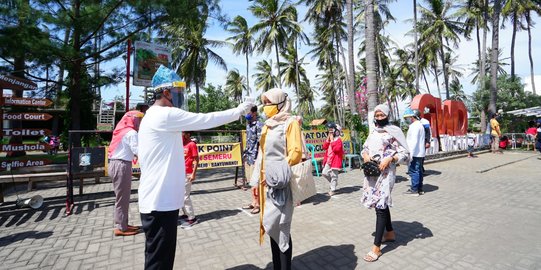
219,155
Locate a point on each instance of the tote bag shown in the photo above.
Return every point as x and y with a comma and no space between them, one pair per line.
302,181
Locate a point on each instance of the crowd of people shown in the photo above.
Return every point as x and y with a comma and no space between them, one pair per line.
160,139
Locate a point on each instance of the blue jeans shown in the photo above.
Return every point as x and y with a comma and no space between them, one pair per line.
416,174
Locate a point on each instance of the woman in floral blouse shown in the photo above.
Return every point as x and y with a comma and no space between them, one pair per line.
387,145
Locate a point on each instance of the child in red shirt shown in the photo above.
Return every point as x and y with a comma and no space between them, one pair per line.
191,159
334,153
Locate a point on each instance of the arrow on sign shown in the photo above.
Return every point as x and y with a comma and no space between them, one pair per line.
26,132
37,102
27,116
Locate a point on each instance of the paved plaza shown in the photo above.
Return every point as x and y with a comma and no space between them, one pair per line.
466,220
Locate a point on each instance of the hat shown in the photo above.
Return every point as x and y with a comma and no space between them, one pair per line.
165,77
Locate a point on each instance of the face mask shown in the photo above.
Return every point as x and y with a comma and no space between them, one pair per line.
382,122
270,110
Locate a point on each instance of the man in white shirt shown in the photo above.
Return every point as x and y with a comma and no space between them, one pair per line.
121,152
161,156
416,143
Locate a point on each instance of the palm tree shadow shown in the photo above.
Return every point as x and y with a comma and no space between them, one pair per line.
317,199
7,240
332,257
219,214
405,233
400,178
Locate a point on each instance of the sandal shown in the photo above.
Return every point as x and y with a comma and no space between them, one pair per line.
371,256
250,206
255,210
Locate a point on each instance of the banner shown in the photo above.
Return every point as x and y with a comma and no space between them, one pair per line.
148,58
316,138
219,155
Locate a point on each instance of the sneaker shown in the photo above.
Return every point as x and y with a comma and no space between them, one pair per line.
183,217
189,223
421,192
412,193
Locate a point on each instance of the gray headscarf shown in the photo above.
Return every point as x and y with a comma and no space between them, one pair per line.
395,131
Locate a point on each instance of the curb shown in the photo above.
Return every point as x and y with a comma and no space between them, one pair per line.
455,156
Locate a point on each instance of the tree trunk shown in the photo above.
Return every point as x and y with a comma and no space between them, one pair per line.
247,77
196,96
444,68
62,67
297,75
435,66
482,70
483,122
529,23
494,56
75,74
371,68
278,63
416,41
514,18
426,82
478,46
351,58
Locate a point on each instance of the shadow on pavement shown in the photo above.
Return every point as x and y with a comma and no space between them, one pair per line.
6,240
347,190
219,214
317,199
405,233
327,257
400,178
431,172
429,188
214,190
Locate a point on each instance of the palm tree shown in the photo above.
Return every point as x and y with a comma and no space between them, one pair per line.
235,85
534,6
242,42
477,73
494,55
351,54
192,52
305,101
371,69
292,72
277,23
457,91
439,26
513,10
264,79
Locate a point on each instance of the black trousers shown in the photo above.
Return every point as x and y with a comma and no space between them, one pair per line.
383,222
281,260
161,239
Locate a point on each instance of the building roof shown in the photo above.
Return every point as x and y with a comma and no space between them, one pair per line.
533,111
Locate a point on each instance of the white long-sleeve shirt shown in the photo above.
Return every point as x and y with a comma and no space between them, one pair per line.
127,147
416,139
161,154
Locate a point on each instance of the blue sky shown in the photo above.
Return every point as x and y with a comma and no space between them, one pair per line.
402,10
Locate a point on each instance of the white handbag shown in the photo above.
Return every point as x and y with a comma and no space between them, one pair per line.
302,181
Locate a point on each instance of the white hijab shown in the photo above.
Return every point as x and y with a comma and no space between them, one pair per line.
278,96
395,131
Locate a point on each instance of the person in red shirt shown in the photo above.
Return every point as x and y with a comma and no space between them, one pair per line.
191,159
334,153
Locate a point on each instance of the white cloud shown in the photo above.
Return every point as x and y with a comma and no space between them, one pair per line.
528,84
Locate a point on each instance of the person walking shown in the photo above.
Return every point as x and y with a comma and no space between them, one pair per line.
121,153
281,148
163,175
334,154
253,134
417,150
387,144
191,161
495,133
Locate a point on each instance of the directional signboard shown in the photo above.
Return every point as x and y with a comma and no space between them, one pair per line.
27,116
37,102
15,83
24,147
26,132
19,163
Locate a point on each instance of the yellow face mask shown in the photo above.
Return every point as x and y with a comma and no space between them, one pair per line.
270,110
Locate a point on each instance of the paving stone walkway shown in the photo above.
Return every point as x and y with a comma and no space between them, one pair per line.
466,220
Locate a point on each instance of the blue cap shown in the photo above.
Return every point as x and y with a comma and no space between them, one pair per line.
164,77
408,113
248,117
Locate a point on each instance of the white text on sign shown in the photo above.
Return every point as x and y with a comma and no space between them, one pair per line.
25,132
26,116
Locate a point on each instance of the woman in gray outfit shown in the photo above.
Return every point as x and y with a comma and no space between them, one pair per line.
282,148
